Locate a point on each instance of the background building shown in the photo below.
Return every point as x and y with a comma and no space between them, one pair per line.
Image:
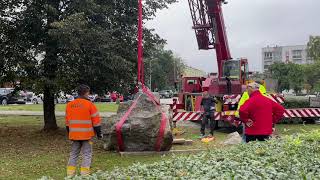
193,72
296,54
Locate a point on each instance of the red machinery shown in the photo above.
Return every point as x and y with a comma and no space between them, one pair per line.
209,27
230,82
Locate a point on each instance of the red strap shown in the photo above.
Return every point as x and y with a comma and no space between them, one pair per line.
161,132
145,90
163,122
140,47
120,124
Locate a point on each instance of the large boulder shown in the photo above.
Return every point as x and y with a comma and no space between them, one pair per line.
233,139
140,131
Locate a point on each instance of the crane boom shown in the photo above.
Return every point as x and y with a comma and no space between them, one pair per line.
209,27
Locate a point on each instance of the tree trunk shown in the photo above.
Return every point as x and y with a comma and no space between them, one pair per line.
50,63
50,122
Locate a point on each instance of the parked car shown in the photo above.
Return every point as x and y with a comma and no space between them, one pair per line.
92,97
311,95
10,96
71,97
166,94
170,93
31,97
128,97
103,98
36,99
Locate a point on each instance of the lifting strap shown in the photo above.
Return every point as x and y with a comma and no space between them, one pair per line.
140,46
145,90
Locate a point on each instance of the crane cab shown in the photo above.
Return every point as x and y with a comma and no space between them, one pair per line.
233,79
237,70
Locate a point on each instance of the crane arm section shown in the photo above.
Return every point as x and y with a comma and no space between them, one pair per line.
209,27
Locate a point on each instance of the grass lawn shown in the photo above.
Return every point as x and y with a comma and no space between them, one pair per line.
103,107
29,153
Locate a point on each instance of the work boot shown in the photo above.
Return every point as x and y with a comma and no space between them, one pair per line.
85,171
71,170
202,136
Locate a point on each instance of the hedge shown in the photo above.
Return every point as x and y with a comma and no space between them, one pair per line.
291,103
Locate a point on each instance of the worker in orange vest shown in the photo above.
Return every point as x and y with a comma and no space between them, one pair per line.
82,122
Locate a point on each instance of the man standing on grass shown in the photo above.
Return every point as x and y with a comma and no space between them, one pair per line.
208,105
82,122
245,96
259,114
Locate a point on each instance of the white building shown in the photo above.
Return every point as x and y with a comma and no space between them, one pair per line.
189,71
296,54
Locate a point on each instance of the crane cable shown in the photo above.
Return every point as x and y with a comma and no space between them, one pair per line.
140,46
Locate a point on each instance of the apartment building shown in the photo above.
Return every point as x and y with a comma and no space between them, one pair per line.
295,54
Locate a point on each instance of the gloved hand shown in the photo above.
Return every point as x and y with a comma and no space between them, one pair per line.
67,128
249,123
100,136
98,132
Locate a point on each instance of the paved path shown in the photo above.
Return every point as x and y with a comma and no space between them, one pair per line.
166,101
40,113
59,114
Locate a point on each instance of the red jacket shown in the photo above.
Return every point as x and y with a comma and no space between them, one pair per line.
263,112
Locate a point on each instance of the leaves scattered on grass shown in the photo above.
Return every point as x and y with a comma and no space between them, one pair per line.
292,157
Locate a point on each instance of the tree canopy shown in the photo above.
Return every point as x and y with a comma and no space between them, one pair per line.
54,45
314,47
165,69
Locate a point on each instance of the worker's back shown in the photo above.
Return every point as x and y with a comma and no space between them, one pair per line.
263,112
80,115
82,122
79,109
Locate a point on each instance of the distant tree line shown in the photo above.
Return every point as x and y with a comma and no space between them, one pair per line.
296,76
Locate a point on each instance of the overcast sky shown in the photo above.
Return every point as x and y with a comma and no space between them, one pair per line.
251,25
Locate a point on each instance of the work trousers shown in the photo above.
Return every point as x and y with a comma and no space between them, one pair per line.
207,117
86,147
243,132
256,137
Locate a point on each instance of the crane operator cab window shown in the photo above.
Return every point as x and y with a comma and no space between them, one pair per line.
231,69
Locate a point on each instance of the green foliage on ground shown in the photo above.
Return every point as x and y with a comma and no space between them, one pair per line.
292,157
29,153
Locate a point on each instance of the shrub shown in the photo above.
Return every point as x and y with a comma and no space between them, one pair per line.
296,104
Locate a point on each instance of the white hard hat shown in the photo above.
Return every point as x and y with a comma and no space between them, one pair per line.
254,85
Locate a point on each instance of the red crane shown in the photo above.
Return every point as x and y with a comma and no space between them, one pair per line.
209,27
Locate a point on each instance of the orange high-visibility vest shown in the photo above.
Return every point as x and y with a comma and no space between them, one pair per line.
81,116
